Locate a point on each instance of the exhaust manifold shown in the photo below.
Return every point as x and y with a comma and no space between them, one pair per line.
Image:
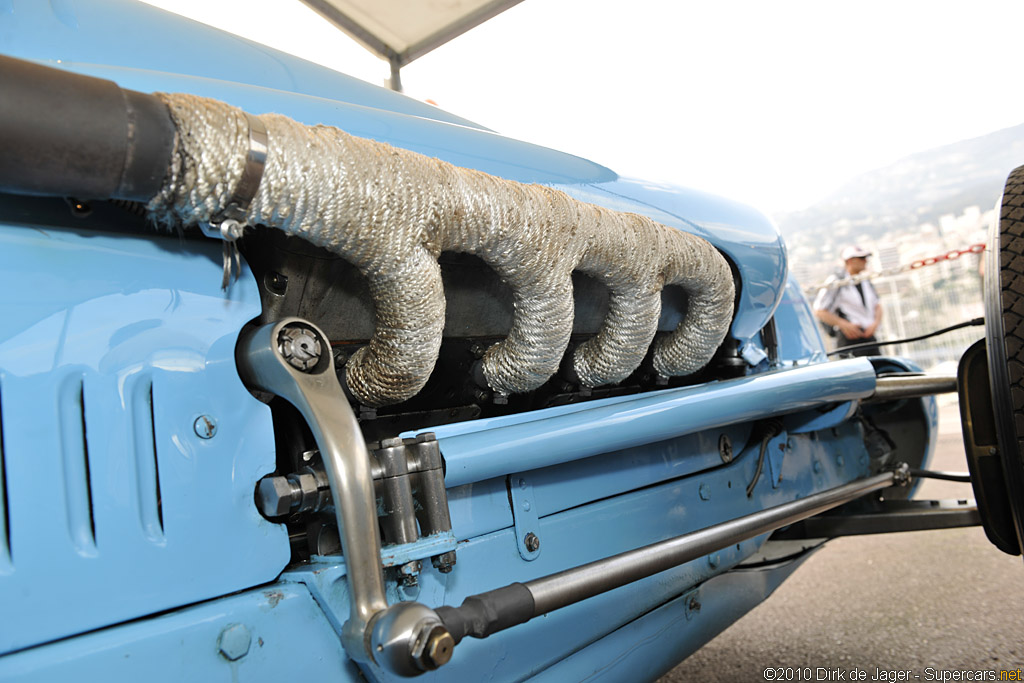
391,212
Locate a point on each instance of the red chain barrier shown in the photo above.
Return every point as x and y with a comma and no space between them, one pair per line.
920,263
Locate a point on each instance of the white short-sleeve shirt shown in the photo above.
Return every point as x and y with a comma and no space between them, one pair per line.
847,302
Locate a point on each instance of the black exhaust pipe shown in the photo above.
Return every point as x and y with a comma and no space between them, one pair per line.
64,134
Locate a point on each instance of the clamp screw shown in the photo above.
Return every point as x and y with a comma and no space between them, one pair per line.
299,346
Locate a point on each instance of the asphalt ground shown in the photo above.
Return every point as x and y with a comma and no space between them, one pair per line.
926,602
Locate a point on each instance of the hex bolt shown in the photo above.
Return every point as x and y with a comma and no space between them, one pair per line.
276,496
705,492
532,542
840,460
713,560
725,447
205,427
234,642
817,467
694,605
439,648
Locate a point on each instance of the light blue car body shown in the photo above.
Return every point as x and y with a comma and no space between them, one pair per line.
130,546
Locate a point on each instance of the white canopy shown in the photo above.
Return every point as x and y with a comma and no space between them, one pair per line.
403,30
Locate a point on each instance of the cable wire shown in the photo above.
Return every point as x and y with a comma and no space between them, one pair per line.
961,477
854,347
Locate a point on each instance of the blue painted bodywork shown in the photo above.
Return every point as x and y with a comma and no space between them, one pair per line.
129,543
103,374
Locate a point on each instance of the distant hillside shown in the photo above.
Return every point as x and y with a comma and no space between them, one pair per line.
915,190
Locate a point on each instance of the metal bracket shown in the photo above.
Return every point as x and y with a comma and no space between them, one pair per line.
524,514
777,447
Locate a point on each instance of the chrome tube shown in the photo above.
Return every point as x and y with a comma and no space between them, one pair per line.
912,386
573,585
481,615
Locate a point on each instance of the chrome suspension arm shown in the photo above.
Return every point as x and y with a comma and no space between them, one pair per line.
292,359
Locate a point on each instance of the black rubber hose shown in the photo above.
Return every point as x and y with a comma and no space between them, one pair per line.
64,134
481,615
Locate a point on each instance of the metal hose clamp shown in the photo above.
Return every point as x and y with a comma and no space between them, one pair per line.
232,220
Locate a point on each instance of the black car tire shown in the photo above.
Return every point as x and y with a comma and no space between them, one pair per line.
1004,335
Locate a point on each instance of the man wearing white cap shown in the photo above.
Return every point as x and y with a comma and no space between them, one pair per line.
852,310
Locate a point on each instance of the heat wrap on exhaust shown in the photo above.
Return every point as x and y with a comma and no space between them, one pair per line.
391,212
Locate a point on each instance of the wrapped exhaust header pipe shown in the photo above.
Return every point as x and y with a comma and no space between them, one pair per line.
391,212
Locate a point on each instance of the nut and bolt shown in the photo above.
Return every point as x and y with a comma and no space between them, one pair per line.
234,642
409,572
705,492
817,467
532,542
205,427
444,562
725,448
300,346
714,560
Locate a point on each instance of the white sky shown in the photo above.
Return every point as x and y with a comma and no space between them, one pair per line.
773,103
